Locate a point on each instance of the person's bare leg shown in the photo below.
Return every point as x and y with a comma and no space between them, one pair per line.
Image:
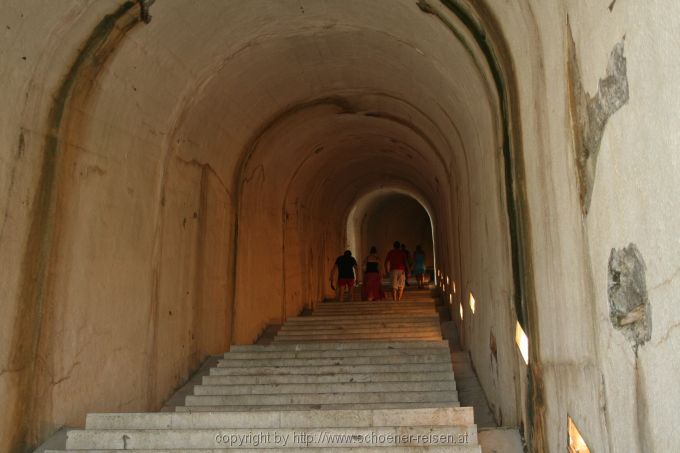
351,293
394,294
341,296
401,292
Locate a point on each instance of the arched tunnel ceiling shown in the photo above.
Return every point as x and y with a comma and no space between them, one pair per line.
384,93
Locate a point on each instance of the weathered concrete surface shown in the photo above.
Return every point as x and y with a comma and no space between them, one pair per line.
629,309
588,367
216,154
590,113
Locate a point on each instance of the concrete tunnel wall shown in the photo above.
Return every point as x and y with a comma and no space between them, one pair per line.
169,189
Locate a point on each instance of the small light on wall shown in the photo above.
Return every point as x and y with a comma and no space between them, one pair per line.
451,298
454,286
576,442
473,302
447,279
522,342
460,307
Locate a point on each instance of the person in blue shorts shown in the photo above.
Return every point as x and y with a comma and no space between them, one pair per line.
419,266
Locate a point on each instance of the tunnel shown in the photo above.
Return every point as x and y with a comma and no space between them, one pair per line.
179,175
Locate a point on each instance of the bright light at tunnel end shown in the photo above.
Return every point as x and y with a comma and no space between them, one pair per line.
522,342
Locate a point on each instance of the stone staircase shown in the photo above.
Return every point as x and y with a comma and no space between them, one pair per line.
353,376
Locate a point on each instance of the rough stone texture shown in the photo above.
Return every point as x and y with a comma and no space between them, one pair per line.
591,113
629,309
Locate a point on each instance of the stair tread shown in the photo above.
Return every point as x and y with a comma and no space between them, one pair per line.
330,406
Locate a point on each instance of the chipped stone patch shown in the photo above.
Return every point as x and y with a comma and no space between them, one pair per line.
591,113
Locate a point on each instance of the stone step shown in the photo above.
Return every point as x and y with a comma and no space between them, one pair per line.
361,319
376,311
443,416
349,387
349,325
333,361
362,324
386,301
388,368
378,303
382,437
301,407
354,319
322,398
377,333
429,449
342,346
412,376
391,308
296,340
332,353
426,310
350,330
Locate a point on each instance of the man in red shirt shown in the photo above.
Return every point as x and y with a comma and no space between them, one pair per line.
396,264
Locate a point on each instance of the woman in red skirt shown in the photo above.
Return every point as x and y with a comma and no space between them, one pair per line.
372,289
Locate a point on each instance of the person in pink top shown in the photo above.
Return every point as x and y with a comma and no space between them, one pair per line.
396,265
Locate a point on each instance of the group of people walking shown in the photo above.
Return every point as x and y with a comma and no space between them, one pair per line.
398,265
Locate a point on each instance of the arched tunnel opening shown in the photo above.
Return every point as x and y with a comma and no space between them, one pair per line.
391,214
179,175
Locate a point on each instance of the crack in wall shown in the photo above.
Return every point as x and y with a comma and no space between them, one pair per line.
66,375
21,147
667,281
590,114
11,370
668,334
206,166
